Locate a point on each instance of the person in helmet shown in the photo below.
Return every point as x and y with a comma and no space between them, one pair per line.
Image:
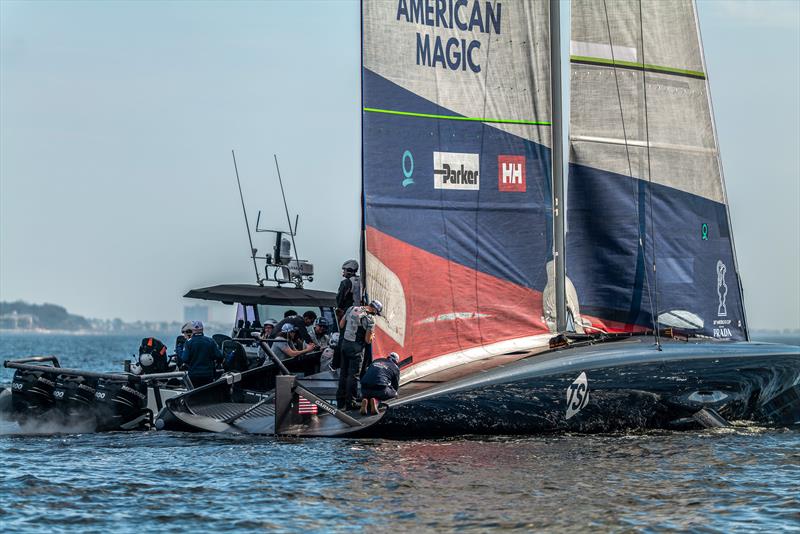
180,341
319,333
357,329
200,354
285,340
301,323
350,293
380,383
268,330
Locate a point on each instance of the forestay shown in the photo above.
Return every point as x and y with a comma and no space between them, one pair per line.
456,165
645,181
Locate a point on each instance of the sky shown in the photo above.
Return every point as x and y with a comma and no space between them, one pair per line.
117,120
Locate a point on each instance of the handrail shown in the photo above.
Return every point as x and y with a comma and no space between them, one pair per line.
29,359
93,374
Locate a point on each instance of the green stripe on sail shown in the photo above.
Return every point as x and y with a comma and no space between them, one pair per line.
639,66
455,117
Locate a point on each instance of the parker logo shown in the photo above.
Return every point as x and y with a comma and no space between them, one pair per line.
455,170
511,173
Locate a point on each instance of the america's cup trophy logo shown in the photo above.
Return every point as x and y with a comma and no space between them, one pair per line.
722,289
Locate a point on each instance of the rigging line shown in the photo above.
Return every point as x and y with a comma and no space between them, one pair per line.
650,185
627,151
288,218
246,223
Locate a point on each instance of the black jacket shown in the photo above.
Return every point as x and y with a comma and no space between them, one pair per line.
383,372
200,354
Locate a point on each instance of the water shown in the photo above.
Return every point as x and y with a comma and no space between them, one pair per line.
722,480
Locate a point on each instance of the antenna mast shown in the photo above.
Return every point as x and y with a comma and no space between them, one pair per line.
259,281
286,207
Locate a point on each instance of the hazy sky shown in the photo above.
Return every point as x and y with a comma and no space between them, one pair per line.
117,191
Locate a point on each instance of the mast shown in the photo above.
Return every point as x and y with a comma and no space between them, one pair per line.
557,165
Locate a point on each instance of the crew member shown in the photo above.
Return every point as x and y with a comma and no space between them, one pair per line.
180,341
284,348
349,293
301,323
380,383
319,333
268,329
200,354
357,327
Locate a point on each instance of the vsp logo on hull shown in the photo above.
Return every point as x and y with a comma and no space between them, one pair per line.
577,395
456,170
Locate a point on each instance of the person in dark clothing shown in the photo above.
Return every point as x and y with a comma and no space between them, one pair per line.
301,323
380,383
200,354
180,341
357,332
349,293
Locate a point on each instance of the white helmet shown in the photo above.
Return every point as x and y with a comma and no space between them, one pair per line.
146,359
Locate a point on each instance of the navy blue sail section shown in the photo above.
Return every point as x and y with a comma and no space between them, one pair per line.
459,226
506,234
613,275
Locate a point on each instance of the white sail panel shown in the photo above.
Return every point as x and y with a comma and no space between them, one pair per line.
479,59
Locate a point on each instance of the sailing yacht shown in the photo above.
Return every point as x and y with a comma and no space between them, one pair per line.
515,307
465,219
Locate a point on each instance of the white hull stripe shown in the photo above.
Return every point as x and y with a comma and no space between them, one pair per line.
534,344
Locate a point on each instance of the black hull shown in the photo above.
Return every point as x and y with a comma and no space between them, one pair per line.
630,385
602,387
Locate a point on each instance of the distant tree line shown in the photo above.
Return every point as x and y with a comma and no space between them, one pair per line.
48,316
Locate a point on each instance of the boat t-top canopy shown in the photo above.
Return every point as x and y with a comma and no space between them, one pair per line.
253,294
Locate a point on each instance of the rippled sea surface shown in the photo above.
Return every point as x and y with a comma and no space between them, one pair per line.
723,480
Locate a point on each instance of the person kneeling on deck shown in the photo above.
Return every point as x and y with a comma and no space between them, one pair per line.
358,331
284,344
200,354
380,383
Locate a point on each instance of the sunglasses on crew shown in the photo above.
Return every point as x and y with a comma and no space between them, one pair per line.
187,332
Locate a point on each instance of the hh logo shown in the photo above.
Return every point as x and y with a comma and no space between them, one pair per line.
511,173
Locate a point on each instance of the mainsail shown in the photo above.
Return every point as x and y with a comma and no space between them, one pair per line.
648,226
456,166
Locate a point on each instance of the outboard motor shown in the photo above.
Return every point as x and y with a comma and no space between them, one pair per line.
31,393
153,356
121,404
75,397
